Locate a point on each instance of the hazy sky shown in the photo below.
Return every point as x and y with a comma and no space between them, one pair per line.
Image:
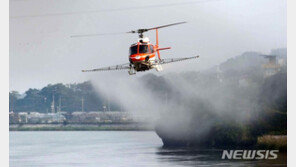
42,52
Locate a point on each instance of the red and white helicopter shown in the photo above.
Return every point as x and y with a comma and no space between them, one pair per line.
142,55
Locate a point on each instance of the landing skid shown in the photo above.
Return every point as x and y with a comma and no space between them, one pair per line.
131,71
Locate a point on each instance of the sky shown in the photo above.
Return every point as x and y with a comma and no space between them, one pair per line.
42,51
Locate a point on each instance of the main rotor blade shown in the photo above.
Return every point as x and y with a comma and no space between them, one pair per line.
142,30
166,25
90,35
133,31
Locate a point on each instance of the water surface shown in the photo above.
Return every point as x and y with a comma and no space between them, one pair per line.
110,149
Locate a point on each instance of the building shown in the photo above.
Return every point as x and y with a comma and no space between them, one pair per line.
272,66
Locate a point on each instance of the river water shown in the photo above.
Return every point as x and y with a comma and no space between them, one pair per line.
110,149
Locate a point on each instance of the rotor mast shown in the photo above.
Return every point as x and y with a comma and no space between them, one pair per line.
142,30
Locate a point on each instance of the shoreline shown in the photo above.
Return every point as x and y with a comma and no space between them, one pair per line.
81,127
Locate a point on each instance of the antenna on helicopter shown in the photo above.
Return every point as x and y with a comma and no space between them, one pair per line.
139,31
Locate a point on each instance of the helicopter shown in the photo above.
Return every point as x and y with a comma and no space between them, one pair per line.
142,54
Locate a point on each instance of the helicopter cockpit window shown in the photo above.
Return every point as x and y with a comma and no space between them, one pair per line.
143,49
134,50
151,49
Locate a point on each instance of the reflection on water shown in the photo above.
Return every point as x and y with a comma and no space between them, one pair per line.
210,157
111,148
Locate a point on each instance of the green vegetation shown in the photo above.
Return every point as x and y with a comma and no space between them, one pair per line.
277,142
69,95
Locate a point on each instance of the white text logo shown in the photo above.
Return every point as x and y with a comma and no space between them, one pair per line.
250,154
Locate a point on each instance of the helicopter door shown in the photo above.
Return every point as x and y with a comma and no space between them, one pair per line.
151,48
